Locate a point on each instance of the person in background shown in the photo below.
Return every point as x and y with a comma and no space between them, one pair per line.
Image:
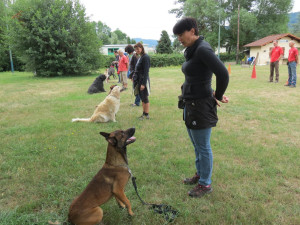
275,54
123,68
293,60
116,63
199,101
141,78
133,58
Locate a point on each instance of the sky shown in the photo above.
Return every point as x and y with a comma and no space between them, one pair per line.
138,18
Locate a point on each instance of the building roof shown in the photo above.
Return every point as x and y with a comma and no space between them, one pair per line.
270,39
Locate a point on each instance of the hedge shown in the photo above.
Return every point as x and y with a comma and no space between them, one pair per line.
225,57
163,60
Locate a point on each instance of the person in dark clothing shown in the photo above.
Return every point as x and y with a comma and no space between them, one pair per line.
116,63
141,78
199,101
133,58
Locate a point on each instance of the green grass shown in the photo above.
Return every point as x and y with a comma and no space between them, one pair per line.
45,160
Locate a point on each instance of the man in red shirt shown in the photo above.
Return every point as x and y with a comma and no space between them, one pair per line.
292,65
276,54
123,68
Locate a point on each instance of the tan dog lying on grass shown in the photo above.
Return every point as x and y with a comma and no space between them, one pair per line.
109,182
107,109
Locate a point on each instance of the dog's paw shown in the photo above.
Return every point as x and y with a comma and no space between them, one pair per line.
130,213
121,205
74,120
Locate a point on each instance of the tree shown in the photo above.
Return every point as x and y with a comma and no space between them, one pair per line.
177,46
164,44
4,59
296,27
258,19
103,32
54,37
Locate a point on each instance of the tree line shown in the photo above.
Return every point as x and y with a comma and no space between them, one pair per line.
56,38
258,19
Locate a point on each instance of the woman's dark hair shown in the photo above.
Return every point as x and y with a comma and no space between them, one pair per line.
139,45
129,49
185,24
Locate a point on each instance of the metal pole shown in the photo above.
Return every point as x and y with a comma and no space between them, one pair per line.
10,57
219,36
238,36
10,53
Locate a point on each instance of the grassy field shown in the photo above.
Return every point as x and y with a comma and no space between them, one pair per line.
45,160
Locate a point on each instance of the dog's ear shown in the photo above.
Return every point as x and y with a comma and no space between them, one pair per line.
106,135
112,86
111,140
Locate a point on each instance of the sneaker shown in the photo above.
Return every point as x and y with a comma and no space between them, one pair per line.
270,81
133,105
193,180
142,117
200,190
276,81
287,85
292,86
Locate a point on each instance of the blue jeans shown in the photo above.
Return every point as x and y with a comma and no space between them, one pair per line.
292,73
204,157
137,100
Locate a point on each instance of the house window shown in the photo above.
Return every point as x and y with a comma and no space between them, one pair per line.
111,50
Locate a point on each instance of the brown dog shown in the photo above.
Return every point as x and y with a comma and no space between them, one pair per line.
109,181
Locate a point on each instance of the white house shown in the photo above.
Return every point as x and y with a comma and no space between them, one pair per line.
262,47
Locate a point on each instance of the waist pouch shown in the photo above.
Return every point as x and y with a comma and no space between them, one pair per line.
200,113
181,102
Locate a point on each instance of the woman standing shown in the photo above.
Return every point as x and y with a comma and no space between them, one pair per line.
199,100
141,79
132,62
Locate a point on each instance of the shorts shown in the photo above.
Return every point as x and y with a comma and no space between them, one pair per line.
123,75
144,95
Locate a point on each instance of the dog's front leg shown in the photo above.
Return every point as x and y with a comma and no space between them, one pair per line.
120,203
114,118
120,195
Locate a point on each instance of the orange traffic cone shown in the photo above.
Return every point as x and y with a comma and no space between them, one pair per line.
229,69
253,73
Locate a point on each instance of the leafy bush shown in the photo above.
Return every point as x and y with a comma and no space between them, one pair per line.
162,60
106,60
5,62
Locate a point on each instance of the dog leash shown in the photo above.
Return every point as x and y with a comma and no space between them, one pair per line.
167,210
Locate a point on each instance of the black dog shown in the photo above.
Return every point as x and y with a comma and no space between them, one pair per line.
97,85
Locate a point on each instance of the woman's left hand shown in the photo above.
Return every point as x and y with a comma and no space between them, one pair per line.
142,87
225,99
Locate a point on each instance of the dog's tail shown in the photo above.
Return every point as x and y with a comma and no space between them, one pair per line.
81,120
